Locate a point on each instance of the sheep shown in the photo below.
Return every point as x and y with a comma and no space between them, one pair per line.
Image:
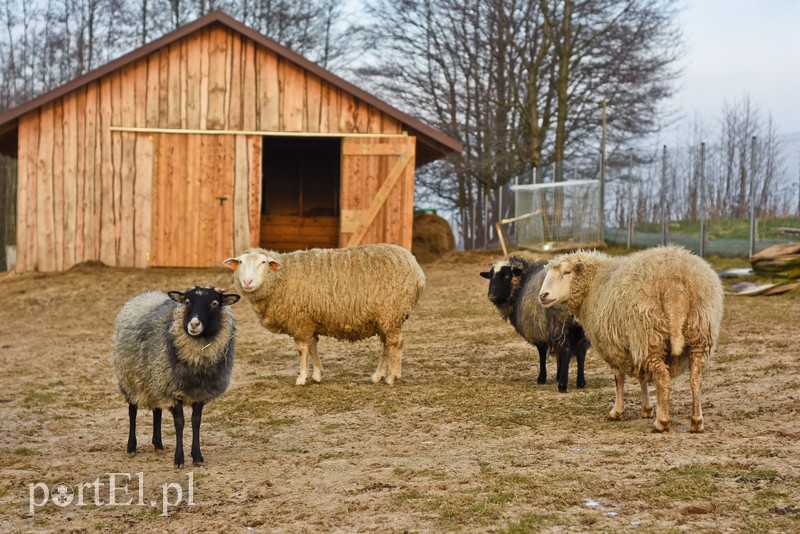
174,348
514,285
349,293
649,315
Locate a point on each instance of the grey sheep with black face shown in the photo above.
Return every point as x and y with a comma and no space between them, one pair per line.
174,348
514,285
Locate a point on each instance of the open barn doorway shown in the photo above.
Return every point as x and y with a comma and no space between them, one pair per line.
301,179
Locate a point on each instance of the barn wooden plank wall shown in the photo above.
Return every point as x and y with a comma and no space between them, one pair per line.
86,193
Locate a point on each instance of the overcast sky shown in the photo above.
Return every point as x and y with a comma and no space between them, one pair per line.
738,47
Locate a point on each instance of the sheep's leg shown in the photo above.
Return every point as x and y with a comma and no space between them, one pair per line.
694,380
562,367
197,415
393,355
157,444
383,365
542,378
177,417
619,403
317,374
580,355
661,377
647,408
302,349
132,409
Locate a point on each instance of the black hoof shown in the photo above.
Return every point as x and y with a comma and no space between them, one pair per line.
562,389
580,385
541,380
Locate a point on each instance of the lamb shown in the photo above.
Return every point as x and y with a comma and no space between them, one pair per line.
649,315
174,348
350,293
514,286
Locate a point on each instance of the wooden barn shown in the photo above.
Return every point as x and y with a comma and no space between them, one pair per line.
209,140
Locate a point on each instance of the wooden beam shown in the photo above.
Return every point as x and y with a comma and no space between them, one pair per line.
266,133
380,198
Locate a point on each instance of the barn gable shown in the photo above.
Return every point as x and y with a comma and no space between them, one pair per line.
164,156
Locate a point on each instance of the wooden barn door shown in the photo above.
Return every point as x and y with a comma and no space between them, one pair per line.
377,190
193,198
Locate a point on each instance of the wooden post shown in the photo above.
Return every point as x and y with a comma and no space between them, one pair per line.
702,199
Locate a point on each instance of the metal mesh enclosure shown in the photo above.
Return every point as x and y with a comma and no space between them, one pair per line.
558,216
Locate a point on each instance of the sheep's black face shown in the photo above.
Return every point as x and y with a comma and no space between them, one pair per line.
203,316
500,282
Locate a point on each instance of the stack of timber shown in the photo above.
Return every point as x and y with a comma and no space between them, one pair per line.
778,260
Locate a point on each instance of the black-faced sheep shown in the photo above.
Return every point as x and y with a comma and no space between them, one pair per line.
514,286
349,293
649,315
170,349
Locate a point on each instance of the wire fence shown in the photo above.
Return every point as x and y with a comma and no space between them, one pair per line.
721,199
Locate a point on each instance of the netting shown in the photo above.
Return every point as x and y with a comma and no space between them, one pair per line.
558,216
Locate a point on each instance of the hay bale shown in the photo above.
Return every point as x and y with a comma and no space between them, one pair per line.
432,236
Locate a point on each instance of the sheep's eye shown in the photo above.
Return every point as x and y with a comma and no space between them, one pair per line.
263,262
214,304
565,273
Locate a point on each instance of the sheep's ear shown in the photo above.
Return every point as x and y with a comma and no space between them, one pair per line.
230,300
487,274
231,263
177,296
274,264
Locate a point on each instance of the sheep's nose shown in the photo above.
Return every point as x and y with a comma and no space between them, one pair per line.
194,323
544,296
248,282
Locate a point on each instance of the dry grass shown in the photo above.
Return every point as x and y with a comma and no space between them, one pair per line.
466,441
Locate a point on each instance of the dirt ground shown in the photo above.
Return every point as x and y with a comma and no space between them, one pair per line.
466,441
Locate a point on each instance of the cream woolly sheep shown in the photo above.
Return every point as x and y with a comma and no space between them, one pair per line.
349,293
649,315
171,348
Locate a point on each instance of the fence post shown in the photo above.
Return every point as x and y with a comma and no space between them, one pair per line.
603,177
702,199
664,221
630,200
753,196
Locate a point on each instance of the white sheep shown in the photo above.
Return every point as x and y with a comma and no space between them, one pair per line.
649,315
349,293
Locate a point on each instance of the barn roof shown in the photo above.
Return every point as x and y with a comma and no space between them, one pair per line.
435,143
